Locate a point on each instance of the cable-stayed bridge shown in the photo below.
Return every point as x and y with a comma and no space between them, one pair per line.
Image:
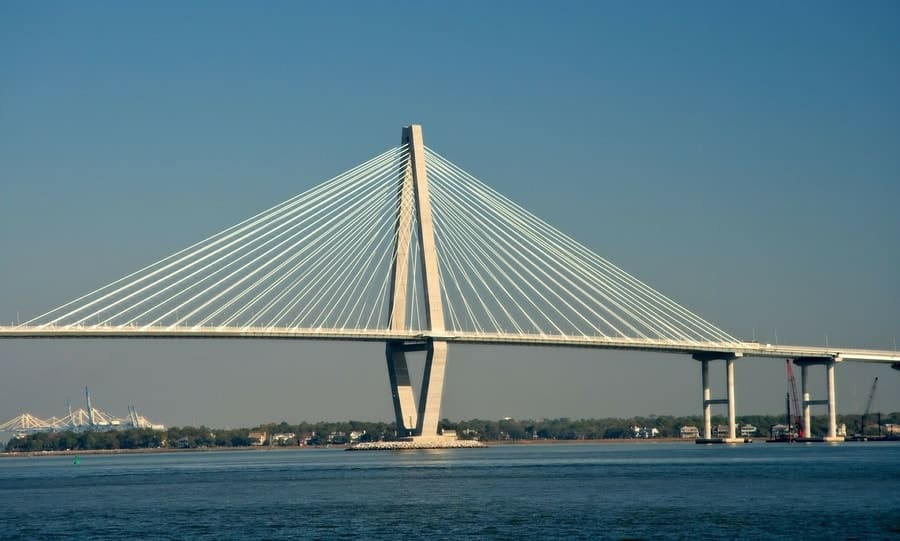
409,249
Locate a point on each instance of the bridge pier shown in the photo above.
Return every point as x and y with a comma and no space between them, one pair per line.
804,393
705,357
432,389
804,363
707,403
401,387
421,421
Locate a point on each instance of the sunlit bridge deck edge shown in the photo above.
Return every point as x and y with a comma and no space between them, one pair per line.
745,349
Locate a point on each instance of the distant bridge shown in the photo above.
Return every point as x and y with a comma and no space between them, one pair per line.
410,250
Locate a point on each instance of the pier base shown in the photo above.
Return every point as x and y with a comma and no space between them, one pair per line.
419,442
704,441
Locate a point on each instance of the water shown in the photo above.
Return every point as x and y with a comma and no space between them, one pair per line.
578,491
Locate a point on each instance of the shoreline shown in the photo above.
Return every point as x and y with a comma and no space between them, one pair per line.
290,448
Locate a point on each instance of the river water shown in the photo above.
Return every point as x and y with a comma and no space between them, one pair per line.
558,491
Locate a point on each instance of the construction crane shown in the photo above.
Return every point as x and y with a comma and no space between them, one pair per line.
862,420
796,399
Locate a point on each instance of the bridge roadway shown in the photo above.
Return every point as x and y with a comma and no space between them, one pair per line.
739,349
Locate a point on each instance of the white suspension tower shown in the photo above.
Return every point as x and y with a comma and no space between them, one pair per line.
414,198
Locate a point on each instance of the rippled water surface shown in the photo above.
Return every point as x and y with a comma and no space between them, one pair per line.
578,491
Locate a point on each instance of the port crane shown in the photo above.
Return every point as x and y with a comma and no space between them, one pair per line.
796,399
862,420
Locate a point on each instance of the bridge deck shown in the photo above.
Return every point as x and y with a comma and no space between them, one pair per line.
746,349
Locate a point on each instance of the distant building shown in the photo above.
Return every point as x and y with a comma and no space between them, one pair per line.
690,432
644,432
720,431
470,433
258,438
338,438
284,438
783,431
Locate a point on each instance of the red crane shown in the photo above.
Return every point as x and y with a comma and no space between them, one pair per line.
796,399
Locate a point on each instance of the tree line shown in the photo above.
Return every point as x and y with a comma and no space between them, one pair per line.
667,426
321,433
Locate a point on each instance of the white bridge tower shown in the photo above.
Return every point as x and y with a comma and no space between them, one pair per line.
421,421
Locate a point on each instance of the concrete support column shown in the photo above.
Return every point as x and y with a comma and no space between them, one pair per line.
707,406
401,390
729,377
832,404
424,419
432,390
807,418
705,357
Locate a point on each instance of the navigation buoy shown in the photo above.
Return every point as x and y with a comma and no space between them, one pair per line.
77,460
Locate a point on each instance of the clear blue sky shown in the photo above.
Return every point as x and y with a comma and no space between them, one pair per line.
743,159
